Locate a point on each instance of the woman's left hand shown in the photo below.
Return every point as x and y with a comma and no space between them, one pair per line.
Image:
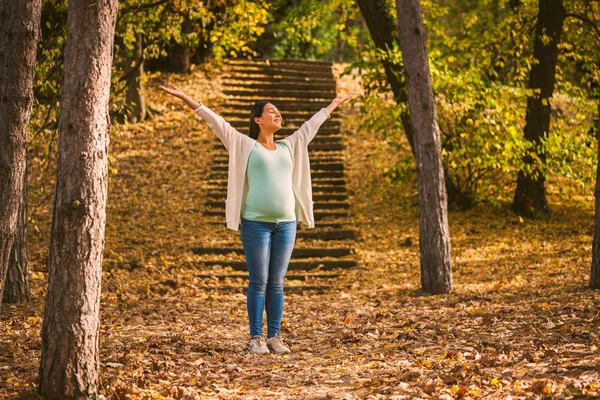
338,101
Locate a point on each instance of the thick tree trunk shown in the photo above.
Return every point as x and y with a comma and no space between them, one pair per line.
380,23
19,30
203,50
434,237
17,289
180,53
595,270
530,194
69,364
135,97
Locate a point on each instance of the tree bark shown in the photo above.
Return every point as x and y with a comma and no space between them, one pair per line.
595,270
135,97
19,31
380,23
180,53
17,288
530,194
69,364
434,237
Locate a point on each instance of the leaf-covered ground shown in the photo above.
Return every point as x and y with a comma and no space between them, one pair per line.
521,322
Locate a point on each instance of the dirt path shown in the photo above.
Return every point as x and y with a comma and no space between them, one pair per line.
521,322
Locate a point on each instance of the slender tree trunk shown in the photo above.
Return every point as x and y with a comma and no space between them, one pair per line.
69,364
135,97
380,23
434,237
19,31
17,288
530,194
595,270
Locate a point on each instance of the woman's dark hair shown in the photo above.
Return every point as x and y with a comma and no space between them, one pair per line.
256,112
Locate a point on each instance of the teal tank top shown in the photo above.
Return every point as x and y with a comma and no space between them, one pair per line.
270,197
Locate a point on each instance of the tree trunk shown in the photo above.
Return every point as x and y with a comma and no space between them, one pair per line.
380,23
180,53
434,237
19,30
595,270
17,289
135,97
69,364
530,194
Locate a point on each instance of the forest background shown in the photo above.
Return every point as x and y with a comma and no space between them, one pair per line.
481,56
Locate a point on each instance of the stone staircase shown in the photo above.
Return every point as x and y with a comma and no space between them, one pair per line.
299,89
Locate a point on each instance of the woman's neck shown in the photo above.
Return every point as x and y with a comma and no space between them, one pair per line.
265,138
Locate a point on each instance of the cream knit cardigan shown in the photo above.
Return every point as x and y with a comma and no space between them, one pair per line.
239,147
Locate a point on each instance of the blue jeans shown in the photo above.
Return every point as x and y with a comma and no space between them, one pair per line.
268,247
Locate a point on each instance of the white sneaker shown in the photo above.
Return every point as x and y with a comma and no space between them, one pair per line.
257,345
275,344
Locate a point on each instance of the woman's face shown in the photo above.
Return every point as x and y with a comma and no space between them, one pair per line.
270,120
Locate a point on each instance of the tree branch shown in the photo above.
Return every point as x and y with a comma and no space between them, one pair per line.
588,21
140,8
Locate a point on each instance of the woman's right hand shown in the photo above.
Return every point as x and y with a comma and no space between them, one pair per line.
173,90
180,94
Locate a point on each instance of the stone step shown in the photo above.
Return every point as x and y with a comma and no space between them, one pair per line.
246,71
299,93
284,61
222,157
294,123
279,84
319,139
306,252
222,195
295,265
316,188
339,234
299,290
289,277
220,205
323,187
244,115
317,175
319,215
253,75
223,165
284,132
311,146
326,146
321,226
220,178
308,234
288,122
279,100
286,105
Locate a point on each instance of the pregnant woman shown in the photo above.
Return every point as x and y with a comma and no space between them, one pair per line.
268,190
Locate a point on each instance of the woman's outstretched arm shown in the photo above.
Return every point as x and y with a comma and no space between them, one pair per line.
308,130
224,131
180,94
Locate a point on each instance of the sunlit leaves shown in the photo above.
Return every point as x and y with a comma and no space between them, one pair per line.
311,29
238,29
480,57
